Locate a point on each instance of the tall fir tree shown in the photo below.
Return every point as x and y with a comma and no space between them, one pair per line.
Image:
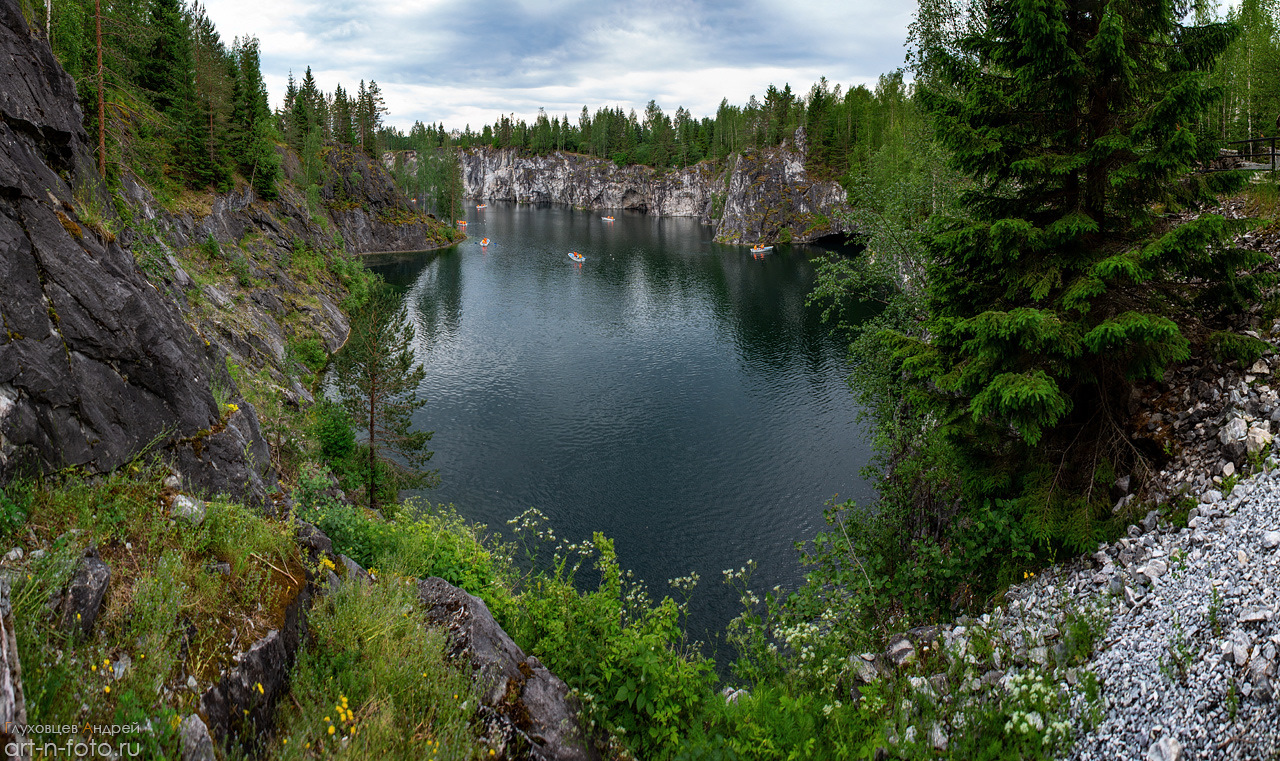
167,74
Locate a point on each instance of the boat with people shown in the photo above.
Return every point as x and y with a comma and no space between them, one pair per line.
577,257
462,223
607,219
484,241
759,249
482,206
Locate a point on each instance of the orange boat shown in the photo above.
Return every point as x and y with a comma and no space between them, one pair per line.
484,241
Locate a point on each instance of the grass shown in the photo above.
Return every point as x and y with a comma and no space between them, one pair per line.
376,684
372,670
167,614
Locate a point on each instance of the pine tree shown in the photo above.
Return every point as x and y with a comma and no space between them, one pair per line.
1056,293
377,382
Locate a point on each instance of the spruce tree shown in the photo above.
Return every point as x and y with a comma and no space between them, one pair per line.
1057,291
252,143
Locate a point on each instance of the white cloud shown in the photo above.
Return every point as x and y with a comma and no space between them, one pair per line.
458,63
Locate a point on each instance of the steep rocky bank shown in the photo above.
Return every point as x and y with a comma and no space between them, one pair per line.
255,275
131,326
763,195
95,365
117,328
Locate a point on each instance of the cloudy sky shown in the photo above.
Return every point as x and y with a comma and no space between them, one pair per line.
468,62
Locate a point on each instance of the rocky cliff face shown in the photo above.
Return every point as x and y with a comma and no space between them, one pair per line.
770,197
255,277
95,365
761,196
586,182
370,212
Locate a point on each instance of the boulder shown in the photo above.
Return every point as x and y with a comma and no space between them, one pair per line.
900,651
355,571
534,702
1234,430
242,702
188,509
1166,749
313,539
197,745
1257,439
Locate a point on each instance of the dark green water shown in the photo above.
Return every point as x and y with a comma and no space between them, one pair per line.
671,392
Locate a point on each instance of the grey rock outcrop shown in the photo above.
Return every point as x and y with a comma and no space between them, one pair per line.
242,703
771,197
584,181
355,572
529,704
381,220
94,363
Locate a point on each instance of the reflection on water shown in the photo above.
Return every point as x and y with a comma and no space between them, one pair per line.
673,393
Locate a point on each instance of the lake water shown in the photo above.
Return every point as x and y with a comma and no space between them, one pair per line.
672,392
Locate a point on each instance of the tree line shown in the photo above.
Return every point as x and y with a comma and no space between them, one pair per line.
165,96
841,129
310,116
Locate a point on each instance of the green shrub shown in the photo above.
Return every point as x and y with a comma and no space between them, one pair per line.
15,503
332,428
1235,347
420,541
210,248
638,677
310,352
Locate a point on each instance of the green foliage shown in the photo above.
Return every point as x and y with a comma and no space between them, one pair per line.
773,723
210,248
333,430
638,677
310,352
1235,347
1031,720
421,540
377,379
167,611
15,505
376,682
1055,287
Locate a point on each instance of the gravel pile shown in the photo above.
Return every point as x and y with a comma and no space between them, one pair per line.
1188,667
